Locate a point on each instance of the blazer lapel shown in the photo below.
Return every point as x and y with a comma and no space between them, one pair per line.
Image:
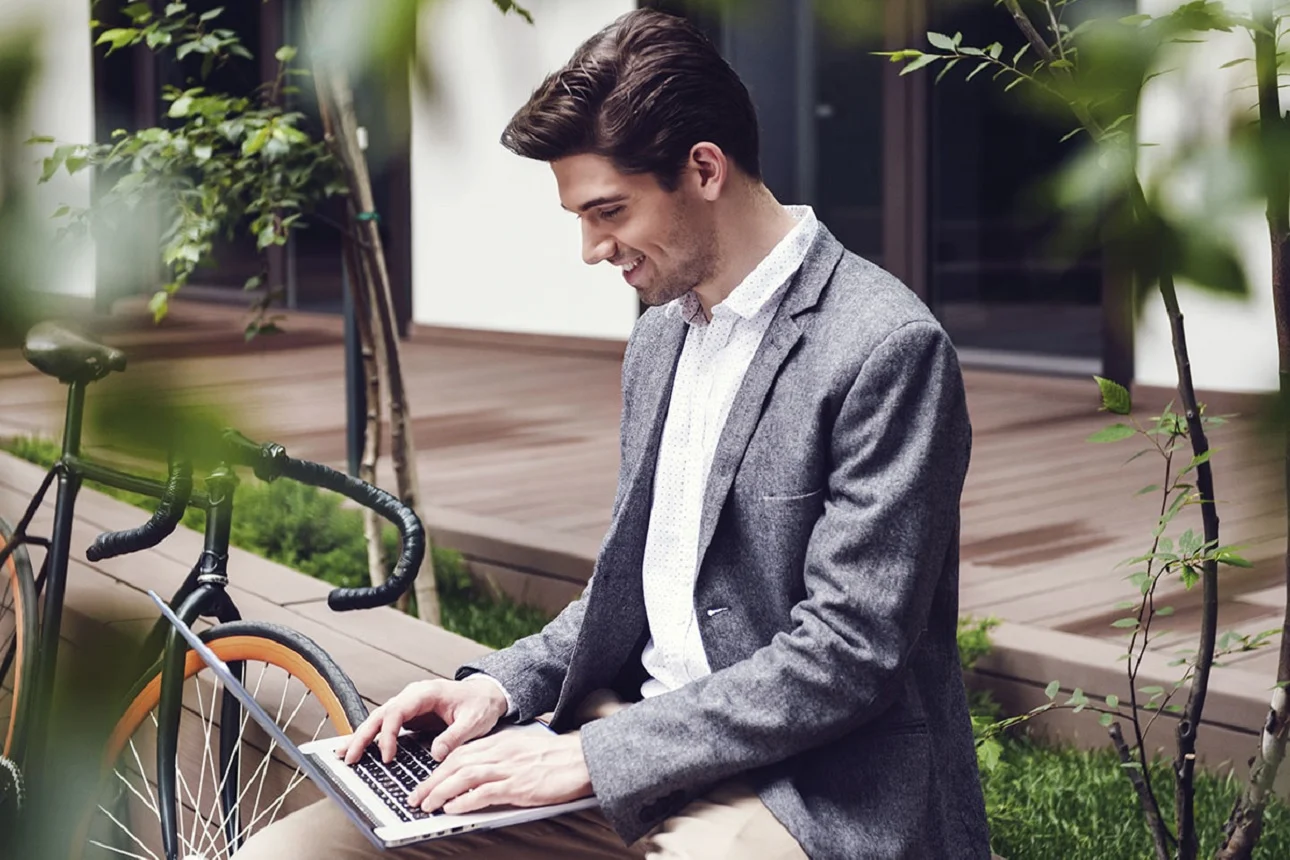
746,409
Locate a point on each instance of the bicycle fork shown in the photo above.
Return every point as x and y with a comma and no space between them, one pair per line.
207,598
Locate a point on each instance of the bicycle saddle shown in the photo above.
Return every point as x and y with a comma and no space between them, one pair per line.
68,356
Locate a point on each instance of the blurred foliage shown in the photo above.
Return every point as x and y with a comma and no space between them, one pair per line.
220,164
1170,208
21,245
316,533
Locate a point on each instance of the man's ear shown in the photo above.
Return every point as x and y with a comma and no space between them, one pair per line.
711,169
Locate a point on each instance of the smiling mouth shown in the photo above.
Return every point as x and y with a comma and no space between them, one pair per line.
630,266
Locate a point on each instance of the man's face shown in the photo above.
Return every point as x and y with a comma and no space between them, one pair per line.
664,242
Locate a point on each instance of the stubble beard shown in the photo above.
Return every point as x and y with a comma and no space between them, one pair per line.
697,259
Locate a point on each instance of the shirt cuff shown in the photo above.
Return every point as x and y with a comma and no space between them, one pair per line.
511,710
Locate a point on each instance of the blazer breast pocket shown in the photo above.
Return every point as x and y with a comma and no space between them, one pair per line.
787,498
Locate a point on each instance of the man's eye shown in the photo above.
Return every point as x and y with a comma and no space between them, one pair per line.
612,213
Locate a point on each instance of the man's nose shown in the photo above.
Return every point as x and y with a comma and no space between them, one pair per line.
596,247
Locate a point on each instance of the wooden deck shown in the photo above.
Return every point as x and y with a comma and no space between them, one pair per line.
518,458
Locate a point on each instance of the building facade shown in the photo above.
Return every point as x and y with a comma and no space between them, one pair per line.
934,181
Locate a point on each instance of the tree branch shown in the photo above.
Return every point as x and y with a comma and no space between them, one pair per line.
1150,808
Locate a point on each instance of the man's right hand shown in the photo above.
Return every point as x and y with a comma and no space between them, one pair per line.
465,710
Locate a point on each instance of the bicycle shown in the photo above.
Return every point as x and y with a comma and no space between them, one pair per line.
146,794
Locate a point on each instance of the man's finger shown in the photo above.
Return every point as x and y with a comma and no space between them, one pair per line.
388,738
460,730
353,749
489,794
458,784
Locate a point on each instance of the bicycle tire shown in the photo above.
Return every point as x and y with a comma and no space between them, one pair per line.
245,642
18,615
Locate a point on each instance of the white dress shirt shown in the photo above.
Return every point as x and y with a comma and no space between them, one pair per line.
713,361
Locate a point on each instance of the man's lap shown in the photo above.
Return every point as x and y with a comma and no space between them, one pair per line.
730,823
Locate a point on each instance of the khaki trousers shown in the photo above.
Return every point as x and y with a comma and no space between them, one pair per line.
729,823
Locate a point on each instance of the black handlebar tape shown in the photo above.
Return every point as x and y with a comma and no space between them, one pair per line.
409,525
170,511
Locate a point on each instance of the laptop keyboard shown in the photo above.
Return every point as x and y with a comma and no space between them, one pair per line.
393,782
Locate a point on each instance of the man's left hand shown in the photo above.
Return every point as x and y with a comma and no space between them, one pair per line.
511,768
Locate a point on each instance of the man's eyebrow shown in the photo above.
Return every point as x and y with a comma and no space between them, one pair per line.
599,201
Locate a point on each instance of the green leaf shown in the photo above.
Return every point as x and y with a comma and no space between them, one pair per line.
212,14
159,304
253,282
1149,488
1115,397
1233,559
972,74
173,9
1053,688
1114,433
39,138
285,54
1013,84
1165,611
256,142
61,211
951,64
1113,701
1017,58
940,40
118,37
1062,64
1152,690
139,13
55,161
179,107
1124,623
1141,580
994,50
1230,63
1134,20
187,48
920,62
1105,720
202,151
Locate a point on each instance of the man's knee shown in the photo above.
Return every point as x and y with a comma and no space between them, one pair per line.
320,831
730,823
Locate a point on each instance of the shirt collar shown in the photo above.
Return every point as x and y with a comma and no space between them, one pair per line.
764,281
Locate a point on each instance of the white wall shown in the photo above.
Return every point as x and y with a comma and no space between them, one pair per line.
492,249
1232,342
62,105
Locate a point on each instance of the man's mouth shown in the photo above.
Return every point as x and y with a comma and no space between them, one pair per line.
632,264
631,269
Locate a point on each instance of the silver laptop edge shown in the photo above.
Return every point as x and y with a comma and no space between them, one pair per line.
221,670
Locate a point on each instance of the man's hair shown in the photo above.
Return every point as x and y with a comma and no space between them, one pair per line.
641,92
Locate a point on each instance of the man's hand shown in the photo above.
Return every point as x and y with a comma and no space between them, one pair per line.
511,768
459,710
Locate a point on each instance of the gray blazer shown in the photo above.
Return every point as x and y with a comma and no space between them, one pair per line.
829,538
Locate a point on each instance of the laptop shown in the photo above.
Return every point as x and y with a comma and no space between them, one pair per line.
372,793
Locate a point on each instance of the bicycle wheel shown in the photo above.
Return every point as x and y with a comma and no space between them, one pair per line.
293,678
17,639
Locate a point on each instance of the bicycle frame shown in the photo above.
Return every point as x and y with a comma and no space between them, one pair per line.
203,593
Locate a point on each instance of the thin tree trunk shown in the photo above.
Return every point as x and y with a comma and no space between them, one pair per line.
369,352
372,438
333,86
1245,824
1185,761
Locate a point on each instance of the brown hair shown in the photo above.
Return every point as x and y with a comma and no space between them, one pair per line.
641,92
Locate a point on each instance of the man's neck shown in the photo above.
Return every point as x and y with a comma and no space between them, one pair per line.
754,227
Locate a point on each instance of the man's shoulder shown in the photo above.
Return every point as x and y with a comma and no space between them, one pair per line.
863,305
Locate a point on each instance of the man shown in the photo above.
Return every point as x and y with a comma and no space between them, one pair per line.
769,636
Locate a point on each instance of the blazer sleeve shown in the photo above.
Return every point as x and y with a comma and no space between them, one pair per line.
532,670
900,447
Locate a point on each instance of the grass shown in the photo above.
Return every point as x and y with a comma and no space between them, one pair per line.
1045,802
309,530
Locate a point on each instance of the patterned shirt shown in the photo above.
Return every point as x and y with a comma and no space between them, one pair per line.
714,359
